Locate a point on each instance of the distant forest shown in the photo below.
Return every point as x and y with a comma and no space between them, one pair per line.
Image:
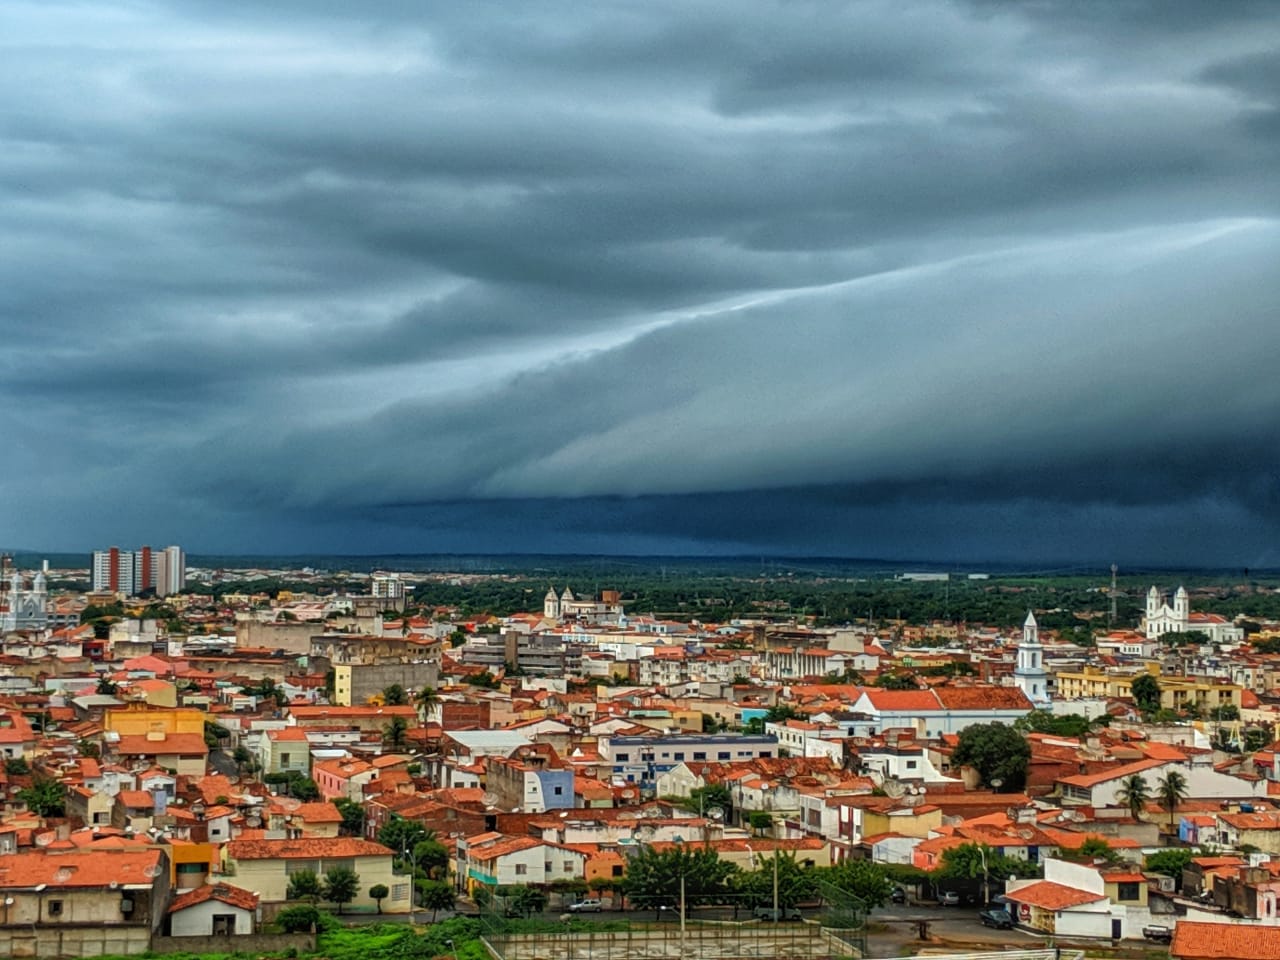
826,591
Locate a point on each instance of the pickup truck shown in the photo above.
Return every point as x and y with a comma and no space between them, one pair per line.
1157,933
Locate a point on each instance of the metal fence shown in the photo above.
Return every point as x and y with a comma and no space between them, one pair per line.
704,940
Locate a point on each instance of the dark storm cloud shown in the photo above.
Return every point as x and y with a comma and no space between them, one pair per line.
812,277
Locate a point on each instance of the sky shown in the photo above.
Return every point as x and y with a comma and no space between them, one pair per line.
958,281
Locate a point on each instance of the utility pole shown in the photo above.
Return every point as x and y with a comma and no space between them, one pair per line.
1111,620
683,952
777,918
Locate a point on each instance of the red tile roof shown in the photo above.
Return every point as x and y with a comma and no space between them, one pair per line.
1224,941
98,868
312,848
182,744
222,892
1053,896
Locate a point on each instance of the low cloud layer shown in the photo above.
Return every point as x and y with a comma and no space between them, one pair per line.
948,280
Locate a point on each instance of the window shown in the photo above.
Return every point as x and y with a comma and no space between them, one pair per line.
1127,891
568,866
55,908
624,757
699,754
679,755
911,764
400,891
723,755
284,759
559,791
521,869
617,871
546,867
224,924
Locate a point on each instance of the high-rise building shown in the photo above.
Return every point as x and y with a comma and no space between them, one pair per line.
113,571
171,571
132,572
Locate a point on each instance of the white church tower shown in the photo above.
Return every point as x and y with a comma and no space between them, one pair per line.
551,605
1029,676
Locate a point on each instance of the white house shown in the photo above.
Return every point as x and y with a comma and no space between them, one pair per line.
213,910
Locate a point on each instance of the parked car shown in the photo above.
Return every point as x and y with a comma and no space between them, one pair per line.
899,895
1157,933
586,906
948,898
781,914
1000,919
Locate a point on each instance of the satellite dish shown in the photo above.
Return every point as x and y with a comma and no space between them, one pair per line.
44,839
62,874
152,871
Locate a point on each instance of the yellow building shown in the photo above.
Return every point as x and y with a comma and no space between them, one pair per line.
141,719
1176,693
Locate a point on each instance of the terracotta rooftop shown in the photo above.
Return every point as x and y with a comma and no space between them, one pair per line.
222,892
1224,941
1053,896
312,848
98,868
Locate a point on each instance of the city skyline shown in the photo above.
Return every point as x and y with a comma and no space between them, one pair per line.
946,281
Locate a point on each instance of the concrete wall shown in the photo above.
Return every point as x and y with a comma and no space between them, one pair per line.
290,637
46,943
257,943
197,921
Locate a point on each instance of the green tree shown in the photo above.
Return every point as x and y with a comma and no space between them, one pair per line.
87,748
352,817
377,893
896,681
393,732
997,752
755,888
865,880
760,820
1095,848
967,861
1134,794
16,766
395,696
304,885
340,886
106,687
783,712
522,901
300,919
304,789
431,858
1146,693
1065,725
45,797
242,757
437,895
425,699
1171,790
653,878
400,834
713,796
1171,863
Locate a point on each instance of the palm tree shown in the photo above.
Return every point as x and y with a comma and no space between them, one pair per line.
1171,789
1134,794
424,700
393,732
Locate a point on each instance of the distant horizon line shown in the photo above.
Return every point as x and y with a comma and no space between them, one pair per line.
1030,565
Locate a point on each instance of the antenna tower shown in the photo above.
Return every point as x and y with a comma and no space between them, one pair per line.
1111,618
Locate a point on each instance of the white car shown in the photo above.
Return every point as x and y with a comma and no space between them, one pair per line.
586,906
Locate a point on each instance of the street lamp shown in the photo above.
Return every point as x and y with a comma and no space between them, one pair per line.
986,879
452,949
413,879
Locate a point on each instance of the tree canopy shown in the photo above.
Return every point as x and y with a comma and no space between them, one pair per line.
999,754
653,877
1146,693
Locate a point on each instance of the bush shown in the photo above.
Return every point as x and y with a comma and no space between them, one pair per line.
298,919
